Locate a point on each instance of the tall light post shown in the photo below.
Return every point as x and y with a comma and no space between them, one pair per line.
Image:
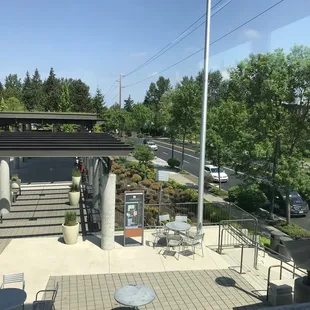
203,123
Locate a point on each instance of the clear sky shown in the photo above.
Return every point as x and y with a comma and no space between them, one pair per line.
96,40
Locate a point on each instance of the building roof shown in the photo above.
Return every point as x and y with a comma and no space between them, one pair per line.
60,144
10,118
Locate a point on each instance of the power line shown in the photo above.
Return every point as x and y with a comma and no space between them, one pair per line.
175,41
213,42
110,88
115,96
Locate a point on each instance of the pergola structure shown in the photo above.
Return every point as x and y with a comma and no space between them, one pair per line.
96,148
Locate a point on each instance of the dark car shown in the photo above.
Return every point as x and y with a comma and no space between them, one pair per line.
299,207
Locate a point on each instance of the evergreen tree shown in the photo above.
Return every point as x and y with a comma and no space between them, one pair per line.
128,104
3,106
27,92
1,90
51,88
65,104
37,93
98,103
79,96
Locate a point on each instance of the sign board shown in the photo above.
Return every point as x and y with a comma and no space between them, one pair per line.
162,175
133,215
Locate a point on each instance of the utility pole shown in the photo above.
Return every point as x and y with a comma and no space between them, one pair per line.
120,91
203,123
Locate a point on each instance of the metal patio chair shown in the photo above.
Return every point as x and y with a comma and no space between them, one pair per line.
13,278
161,230
194,241
181,218
48,301
173,241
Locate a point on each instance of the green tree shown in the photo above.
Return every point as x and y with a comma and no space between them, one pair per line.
185,110
15,105
3,105
27,92
128,104
80,96
143,154
98,103
37,95
1,90
64,100
51,87
13,86
152,100
141,114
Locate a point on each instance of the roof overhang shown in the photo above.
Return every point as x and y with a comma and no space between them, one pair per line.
60,144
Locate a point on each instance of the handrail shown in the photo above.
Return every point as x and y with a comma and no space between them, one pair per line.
281,267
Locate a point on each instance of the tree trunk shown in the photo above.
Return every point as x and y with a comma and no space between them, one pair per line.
287,205
172,150
183,142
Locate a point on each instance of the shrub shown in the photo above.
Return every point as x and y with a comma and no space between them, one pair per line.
233,193
117,171
122,176
152,201
146,182
214,214
132,165
294,231
170,191
140,135
251,198
151,174
70,218
150,216
173,162
119,201
218,192
136,178
264,241
74,188
155,186
143,154
121,160
165,184
76,172
131,142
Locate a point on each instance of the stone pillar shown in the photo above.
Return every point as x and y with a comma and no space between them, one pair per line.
108,211
5,188
96,191
91,170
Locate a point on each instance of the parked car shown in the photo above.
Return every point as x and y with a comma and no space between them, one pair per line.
152,145
213,172
299,207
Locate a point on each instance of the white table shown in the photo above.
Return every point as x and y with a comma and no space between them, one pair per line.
10,298
178,226
134,295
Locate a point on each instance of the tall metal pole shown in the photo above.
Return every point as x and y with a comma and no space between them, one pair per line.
120,91
203,123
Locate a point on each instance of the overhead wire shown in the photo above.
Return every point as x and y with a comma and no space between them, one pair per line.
213,42
110,88
178,39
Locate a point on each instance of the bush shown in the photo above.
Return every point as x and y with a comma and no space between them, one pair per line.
131,142
122,176
294,231
143,154
170,191
76,172
151,174
140,135
117,171
150,216
251,198
136,178
173,162
218,192
155,186
264,241
70,218
233,193
74,188
132,165
119,201
165,184
214,214
14,177
146,182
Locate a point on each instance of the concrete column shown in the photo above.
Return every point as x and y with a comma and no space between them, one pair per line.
5,188
108,211
96,184
91,170
16,159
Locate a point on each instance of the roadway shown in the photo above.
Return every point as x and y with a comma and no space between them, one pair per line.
191,161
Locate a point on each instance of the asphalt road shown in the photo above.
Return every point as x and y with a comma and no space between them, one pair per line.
191,162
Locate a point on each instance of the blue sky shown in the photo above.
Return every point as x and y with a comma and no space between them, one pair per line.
97,40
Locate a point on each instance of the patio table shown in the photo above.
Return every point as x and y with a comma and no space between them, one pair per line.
134,295
10,298
178,226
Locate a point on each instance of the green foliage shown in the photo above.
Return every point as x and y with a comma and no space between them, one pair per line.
264,241
150,216
250,198
14,105
68,128
98,103
76,172
3,105
146,182
136,178
128,106
14,177
131,142
294,231
142,116
74,188
143,154
12,87
218,192
214,214
70,218
173,162
233,193
52,92
155,186
64,100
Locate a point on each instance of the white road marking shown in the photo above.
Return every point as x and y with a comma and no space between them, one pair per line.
165,153
186,161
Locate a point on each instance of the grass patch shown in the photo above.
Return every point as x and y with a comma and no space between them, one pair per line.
294,231
264,241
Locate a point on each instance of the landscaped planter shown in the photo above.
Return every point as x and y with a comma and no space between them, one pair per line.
70,233
74,198
70,228
76,177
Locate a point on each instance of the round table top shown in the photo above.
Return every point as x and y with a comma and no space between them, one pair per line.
134,295
10,298
178,226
